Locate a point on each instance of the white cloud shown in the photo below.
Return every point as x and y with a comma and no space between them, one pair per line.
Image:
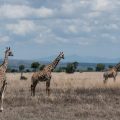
43,12
62,40
101,4
70,20
72,29
44,35
72,8
47,36
23,11
90,24
94,14
14,11
104,5
4,39
110,38
112,26
83,43
22,27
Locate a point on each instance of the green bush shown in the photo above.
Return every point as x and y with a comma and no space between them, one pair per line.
35,66
21,68
14,70
70,68
27,70
100,67
89,69
42,67
110,66
60,69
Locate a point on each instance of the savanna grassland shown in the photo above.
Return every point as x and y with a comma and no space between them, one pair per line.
78,96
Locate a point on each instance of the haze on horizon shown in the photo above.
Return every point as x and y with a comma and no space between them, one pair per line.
37,29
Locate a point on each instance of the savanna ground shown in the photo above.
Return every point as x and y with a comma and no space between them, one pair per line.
78,96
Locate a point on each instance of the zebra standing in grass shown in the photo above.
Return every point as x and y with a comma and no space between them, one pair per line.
3,82
111,73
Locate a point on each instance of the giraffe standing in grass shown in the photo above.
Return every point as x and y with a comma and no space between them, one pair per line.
3,82
111,73
45,75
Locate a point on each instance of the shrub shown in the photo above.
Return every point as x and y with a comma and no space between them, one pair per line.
27,70
14,70
35,66
70,68
110,66
100,67
42,67
21,68
89,69
60,69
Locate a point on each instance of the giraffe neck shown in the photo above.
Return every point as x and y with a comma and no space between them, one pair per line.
117,66
54,63
5,62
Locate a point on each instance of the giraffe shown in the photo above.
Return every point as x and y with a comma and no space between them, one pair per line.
111,73
45,75
3,82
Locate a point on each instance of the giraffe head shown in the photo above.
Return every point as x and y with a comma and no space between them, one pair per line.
61,55
8,51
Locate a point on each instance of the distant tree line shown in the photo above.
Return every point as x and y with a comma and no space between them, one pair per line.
35,66
69,68
73,67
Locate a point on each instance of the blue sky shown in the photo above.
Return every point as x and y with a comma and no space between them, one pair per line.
41,28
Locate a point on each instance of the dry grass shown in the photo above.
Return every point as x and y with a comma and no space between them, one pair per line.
79,96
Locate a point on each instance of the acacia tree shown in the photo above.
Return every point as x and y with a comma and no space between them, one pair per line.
21,68
70,68
100,67
110,66
35,65
75,65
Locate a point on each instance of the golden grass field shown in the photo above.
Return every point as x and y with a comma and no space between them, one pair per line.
78,96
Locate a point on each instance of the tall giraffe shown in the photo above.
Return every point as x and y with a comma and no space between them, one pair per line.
45,75
111,73
3,81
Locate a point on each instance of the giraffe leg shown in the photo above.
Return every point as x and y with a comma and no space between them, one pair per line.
114,78
34,86
2,99
2,95
34,91
48,87
1,102
5,87
105,80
